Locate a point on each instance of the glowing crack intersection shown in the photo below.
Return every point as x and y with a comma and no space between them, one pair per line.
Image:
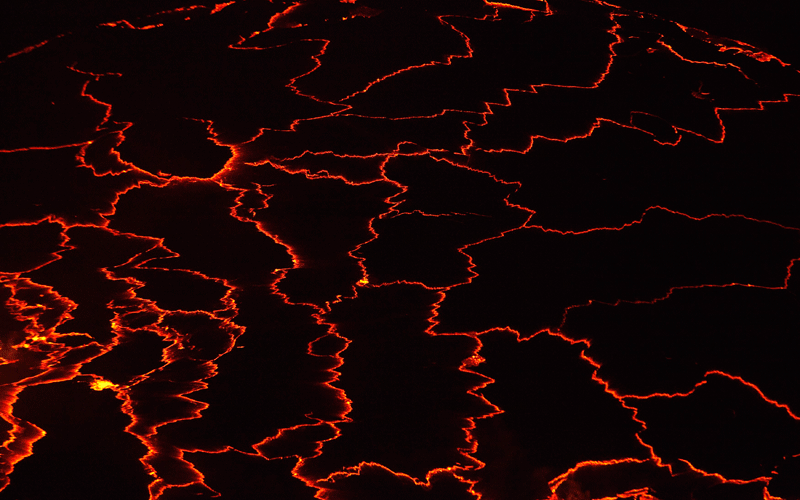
363,249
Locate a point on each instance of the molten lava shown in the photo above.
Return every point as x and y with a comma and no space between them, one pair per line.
539,249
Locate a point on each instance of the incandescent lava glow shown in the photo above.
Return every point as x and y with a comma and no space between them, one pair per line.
100,384
356,249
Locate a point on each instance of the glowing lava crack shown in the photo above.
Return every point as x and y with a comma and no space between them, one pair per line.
405,250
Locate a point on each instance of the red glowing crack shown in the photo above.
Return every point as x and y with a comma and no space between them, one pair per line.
291,245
